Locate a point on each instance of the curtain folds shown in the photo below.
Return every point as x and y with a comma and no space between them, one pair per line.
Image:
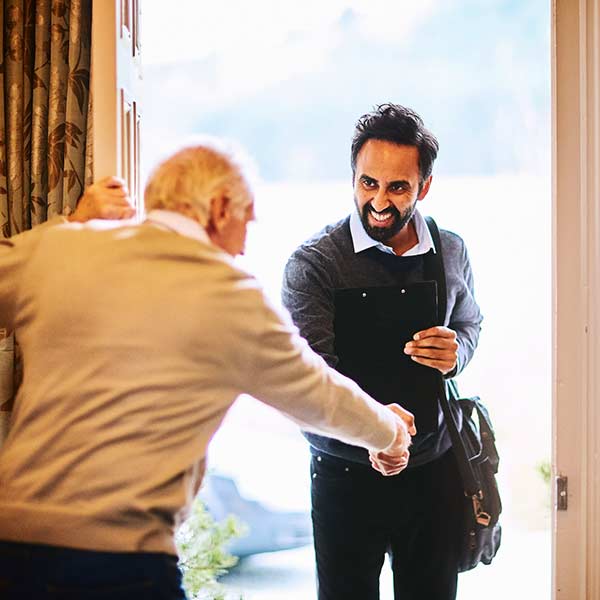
45,51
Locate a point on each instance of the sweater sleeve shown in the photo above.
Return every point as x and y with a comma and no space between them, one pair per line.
14,253
308,296
11,264
286,374
466,317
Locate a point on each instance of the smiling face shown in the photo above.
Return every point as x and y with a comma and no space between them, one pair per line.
386,188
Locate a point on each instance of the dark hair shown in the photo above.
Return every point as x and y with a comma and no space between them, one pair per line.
400,125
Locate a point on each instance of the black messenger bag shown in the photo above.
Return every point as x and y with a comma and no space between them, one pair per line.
474,447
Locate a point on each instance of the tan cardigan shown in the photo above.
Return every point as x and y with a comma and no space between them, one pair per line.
136,341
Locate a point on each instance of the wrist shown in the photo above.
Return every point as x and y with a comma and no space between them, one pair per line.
401,440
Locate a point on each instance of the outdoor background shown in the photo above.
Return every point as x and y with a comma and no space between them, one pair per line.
287,81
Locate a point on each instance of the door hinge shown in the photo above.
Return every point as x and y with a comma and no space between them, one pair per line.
562,496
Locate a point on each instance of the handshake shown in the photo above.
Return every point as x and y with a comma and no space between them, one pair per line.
394,458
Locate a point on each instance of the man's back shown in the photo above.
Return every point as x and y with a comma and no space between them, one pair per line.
134,350
144,308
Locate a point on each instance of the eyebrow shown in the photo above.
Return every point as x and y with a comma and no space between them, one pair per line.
399,182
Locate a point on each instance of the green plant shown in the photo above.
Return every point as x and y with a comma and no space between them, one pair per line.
200,542
544,470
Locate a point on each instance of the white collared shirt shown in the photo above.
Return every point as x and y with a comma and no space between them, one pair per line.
361,239
178,223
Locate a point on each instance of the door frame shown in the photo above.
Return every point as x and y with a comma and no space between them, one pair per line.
576,296
116,89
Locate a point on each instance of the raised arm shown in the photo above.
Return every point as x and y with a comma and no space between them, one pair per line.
11,265
105,199
286,374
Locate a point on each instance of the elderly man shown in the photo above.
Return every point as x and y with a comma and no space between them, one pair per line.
136,341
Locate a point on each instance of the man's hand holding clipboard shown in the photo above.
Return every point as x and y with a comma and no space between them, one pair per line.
435,347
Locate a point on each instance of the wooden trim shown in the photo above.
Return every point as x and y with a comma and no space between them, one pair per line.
105,97
592,194
116,91
576,302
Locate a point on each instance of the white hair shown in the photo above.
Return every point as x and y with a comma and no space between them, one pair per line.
192,176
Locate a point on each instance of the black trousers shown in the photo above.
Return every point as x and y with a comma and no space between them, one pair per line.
359,516
39,572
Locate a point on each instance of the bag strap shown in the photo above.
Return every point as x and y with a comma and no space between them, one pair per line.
436,262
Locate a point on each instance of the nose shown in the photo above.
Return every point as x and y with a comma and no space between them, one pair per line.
380,201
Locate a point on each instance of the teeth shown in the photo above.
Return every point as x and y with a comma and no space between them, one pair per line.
380,216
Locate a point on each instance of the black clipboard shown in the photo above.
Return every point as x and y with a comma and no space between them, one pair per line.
372,325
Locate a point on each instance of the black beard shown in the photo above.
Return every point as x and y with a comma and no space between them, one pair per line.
399,220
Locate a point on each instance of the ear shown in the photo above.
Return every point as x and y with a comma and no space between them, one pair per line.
219,212
425,188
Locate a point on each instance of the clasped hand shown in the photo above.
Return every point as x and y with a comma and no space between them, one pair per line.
394,458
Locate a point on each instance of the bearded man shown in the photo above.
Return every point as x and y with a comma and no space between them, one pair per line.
348,289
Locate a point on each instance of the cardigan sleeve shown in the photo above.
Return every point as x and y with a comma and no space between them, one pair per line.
12,259
14,253
286,374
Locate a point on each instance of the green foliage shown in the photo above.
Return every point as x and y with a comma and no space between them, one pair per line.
544,470
200,544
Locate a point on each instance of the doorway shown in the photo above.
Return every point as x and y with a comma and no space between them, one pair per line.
288,82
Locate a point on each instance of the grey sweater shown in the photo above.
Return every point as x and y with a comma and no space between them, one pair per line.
327,262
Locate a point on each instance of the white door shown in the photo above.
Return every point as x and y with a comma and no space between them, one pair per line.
576,209
116,91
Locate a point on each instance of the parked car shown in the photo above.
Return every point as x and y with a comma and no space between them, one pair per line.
268,530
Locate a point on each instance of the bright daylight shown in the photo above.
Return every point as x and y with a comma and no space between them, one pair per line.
287,81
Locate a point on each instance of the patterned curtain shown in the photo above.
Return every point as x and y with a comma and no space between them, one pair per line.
44,105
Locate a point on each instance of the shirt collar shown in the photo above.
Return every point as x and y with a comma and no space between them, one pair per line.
362,241
178,223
